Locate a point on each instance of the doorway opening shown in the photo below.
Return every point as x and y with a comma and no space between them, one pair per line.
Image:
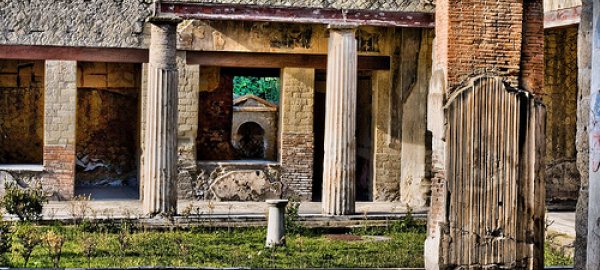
108,131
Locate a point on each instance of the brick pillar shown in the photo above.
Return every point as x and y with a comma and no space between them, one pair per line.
60,106
593,235
339,166
297,135
502,40
159,171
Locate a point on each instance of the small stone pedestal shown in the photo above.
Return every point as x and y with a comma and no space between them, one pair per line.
276,224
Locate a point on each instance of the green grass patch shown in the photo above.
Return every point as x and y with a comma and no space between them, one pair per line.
401,244
556,257
226,248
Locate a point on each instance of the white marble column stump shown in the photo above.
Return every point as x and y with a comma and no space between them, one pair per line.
159,168
340,122
276,223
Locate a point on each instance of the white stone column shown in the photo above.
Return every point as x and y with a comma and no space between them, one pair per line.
593,236
159,171
340,122
276,223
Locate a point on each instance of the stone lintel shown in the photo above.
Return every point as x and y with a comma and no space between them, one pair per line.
165,19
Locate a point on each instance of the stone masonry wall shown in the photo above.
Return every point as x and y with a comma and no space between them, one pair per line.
189,87
560,98
109,23
21,112
297,133
59,127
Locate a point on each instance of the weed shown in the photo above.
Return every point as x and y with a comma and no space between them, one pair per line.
27,237
79,208
124,242
5,241
54,242
89,244
292,217
26,203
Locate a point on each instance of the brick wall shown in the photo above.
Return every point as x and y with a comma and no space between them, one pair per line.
480,37
297,134
59,127
532,56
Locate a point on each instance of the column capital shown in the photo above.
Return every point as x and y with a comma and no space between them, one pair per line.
165,19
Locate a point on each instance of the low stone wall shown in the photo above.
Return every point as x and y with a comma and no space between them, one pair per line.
233,181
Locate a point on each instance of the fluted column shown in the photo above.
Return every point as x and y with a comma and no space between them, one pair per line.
159,167
340,123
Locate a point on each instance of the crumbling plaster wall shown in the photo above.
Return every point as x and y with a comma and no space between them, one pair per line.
21,112
400,116
237,181
242,36
550,5
560,98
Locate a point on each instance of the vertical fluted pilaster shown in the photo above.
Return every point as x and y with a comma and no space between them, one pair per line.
159,166
340,123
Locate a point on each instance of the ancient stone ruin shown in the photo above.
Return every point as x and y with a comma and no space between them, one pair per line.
482,113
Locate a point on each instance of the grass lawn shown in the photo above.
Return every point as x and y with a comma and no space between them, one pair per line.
111,245
226,248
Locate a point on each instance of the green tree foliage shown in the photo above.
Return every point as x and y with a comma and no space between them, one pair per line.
264,87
